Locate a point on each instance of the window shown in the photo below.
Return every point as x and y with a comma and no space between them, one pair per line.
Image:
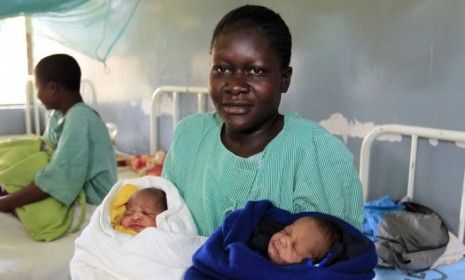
13,61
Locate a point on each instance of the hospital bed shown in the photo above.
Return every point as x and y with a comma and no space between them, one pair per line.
450,271
23,258
20,256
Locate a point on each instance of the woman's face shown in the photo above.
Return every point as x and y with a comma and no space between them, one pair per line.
45,93
246,79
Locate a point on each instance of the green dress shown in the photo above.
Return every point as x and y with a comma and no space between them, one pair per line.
83,158
304,168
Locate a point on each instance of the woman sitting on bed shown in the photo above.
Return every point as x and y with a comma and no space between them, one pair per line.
248,150
83,158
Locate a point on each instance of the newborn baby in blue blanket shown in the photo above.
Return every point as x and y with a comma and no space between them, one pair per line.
262,241
306,239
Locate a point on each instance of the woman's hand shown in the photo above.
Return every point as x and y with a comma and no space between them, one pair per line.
27,195
2,191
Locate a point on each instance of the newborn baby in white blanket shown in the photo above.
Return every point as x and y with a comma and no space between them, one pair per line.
161,252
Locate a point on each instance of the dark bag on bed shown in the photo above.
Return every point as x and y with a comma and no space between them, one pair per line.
411,240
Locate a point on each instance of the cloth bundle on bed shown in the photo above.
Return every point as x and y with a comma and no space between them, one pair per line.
407,235
20,160
225,255
164,252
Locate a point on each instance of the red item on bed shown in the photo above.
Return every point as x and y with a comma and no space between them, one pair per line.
148,164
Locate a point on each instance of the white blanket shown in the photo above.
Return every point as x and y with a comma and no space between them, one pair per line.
164,252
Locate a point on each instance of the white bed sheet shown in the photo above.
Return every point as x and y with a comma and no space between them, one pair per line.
126,173
454,271
16,136
21,257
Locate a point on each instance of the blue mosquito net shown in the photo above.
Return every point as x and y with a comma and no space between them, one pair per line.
88,26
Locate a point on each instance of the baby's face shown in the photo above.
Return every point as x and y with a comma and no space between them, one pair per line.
141,211
298,241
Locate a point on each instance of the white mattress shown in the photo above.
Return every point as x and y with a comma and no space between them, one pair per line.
126,173
16,136
23,258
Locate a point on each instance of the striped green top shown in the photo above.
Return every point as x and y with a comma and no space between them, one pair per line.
83,158
304,168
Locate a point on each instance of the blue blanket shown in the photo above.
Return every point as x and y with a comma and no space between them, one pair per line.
375,211
225,255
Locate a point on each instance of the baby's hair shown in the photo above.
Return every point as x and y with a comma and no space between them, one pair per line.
330,229
158,194
62,69
270,22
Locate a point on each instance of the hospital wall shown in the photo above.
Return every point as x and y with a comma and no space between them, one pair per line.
356,63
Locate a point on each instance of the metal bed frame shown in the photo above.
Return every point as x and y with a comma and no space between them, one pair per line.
175,92
414,132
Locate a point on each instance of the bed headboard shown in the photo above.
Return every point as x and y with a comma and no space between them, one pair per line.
414,132
174,92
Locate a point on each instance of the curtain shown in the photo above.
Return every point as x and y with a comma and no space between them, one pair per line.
89,26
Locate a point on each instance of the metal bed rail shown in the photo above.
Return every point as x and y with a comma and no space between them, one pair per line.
175,92
415,132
